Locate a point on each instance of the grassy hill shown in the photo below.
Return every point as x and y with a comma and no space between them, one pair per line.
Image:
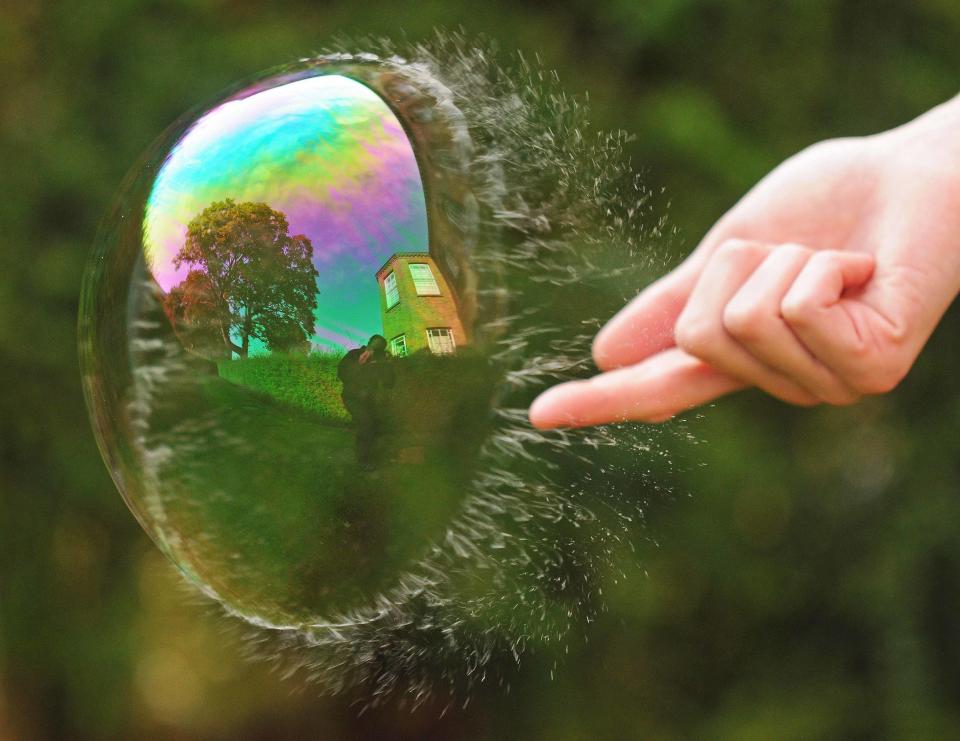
309,382
262,468
431,396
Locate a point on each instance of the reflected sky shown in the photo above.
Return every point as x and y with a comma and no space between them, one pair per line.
328,153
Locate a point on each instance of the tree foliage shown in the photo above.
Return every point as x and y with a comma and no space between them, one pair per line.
248,279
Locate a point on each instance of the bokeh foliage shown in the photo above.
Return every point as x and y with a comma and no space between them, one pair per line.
808,588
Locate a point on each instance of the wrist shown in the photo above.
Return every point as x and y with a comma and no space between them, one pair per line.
941,124
932,138
949,111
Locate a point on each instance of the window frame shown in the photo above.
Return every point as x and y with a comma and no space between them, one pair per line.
433,287
393,288
403,341
449,335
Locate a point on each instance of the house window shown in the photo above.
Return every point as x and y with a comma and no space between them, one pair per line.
441,341
391,290
398,346
423,279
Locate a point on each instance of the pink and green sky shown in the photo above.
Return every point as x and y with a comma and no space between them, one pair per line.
328,153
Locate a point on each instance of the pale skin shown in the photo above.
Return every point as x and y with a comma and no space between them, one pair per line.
820,286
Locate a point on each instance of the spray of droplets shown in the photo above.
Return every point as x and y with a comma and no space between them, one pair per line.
564,233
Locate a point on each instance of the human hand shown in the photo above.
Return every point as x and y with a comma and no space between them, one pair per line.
821,285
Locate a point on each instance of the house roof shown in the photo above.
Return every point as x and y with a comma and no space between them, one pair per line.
396,255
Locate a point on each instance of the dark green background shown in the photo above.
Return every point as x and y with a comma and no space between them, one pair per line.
808,588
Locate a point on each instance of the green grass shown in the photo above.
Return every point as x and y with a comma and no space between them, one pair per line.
309,382
431,396
269,502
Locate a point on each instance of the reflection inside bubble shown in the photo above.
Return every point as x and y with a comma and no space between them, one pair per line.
306,399
308,339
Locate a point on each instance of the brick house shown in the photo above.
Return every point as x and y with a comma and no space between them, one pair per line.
418,307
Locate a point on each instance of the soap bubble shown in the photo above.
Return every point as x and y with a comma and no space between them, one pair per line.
309,334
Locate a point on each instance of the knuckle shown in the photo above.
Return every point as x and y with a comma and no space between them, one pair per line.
738,249
745,322
898,333
823,263
862,354
795,250
825,258
873,384
694,335
797,308
800,304
889,380
879,379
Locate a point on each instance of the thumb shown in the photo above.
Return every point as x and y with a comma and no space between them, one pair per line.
821,314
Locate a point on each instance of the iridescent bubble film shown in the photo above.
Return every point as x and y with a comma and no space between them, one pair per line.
309,334
328,154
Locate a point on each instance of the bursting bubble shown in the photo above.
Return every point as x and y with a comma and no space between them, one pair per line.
308,336
282,361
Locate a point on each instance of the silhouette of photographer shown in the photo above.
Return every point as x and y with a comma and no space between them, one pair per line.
367,376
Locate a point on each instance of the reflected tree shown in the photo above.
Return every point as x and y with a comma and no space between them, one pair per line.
249,279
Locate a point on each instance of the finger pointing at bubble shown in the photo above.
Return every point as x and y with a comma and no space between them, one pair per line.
821,285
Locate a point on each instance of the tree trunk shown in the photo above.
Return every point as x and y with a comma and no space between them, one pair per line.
247,326
230,346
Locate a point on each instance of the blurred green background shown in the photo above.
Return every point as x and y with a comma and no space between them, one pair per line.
809,586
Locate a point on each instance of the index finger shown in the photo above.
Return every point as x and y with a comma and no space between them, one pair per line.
652,391
645,325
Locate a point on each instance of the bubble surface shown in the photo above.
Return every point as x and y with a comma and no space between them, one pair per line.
306,395
309,334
